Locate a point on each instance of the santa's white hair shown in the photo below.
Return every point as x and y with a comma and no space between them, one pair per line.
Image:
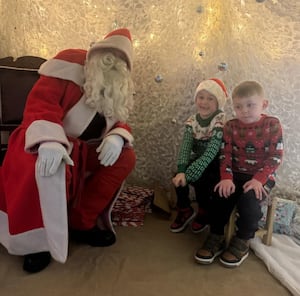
108,85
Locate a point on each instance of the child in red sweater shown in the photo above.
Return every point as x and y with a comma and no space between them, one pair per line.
251,152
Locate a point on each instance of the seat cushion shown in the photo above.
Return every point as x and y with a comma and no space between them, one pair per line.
284,214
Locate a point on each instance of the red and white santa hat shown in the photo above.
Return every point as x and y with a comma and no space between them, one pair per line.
216,87
118,39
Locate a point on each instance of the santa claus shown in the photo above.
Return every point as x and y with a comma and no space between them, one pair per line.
68,159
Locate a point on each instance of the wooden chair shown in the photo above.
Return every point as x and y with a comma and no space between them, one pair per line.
17,77
266,233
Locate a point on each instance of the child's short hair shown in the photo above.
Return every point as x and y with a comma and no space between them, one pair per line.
248,89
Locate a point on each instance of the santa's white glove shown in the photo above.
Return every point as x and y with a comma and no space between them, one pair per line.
109,150
51,154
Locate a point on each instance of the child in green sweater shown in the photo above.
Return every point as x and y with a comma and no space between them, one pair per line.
198,163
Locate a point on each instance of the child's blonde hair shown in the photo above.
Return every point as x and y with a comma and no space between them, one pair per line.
248,89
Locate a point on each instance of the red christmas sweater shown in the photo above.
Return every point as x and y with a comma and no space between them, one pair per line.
255,149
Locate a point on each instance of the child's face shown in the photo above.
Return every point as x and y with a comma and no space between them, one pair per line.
206,104
249,109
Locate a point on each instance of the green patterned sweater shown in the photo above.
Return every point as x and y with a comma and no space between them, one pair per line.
201,143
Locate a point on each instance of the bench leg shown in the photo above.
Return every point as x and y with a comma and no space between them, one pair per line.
268,230
267,237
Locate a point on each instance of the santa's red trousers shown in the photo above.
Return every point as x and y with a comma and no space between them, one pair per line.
98,188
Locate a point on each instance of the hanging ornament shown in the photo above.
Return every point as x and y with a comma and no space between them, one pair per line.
223,67
158,78
199,9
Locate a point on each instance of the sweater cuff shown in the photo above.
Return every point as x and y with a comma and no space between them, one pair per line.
226,175
262,178
181,168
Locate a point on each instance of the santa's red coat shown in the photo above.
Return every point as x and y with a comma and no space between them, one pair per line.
34,210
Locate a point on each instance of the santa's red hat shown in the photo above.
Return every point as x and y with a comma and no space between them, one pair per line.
118,39
216,87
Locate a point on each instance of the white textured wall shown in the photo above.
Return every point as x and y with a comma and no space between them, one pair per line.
256,40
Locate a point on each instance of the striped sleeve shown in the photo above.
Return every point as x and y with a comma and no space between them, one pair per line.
185,149
196,169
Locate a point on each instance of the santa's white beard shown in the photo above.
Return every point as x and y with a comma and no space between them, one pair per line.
108,86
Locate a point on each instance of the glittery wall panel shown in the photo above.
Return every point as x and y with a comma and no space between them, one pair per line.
177,44
266,44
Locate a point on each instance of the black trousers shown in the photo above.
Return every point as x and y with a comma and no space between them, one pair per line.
204,187
248,207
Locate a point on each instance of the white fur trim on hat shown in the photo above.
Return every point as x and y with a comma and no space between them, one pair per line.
119,39
216,88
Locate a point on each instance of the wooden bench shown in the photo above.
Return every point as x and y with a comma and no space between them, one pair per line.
266,233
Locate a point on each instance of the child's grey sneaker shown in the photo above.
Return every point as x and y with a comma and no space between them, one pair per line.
212,247
237,252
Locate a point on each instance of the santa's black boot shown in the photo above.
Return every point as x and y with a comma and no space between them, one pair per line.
94,237
36,262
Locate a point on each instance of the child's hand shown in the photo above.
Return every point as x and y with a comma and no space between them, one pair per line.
258,188
179,180
225,188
